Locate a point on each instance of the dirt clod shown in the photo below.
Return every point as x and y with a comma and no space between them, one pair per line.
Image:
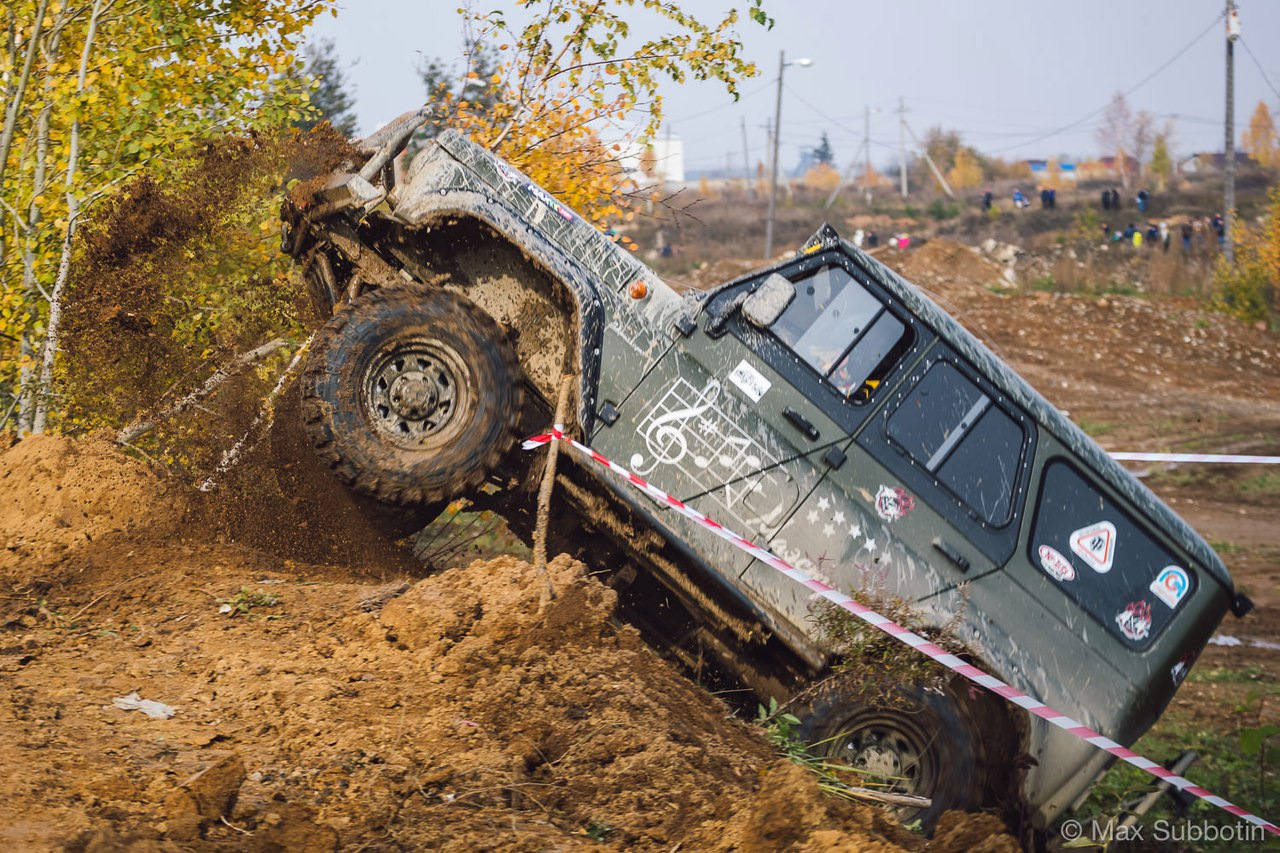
211,793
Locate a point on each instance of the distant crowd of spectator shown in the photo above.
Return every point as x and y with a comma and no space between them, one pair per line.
1194,233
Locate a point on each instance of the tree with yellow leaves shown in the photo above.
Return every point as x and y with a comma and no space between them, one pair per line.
967,171
96,92
563,90
1260,139
1248,288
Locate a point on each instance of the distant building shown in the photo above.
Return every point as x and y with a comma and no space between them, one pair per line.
660,162
1104,169
1211,162
1043,170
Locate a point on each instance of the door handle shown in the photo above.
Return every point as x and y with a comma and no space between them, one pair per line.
948,551
801,423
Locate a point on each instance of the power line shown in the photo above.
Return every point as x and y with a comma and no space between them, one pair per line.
1064,128
834,121
1130,91
1265,78
725,105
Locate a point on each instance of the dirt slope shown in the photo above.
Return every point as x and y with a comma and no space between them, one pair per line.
324,711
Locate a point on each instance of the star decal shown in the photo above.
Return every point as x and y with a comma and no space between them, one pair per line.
827,530
812,516
855,532
838,518
823,503
870,545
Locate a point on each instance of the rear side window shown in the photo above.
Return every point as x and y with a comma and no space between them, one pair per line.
953,430
1104,560
843,331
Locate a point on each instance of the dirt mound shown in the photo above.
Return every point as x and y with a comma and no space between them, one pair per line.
56,493
946,269
311,709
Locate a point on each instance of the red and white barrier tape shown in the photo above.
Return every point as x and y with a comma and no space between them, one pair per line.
915,641
1195,457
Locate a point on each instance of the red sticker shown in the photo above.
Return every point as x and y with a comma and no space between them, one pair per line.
1057,566
894,503
1135,620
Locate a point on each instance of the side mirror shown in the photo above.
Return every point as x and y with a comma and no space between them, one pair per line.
766,304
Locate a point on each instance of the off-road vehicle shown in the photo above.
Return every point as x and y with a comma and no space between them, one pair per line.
822,406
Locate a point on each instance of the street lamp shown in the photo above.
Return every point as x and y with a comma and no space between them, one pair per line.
777,134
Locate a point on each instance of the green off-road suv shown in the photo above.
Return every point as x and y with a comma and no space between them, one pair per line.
822,407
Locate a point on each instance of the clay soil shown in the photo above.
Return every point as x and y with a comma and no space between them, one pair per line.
349,704
325,695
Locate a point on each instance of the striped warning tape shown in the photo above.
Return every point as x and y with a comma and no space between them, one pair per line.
910,638
1195,457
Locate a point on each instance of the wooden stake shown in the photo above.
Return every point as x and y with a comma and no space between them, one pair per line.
544,498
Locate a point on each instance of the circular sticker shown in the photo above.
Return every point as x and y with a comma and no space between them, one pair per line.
1055,565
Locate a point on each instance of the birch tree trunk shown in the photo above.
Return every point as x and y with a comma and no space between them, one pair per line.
14,99
31,286
44,384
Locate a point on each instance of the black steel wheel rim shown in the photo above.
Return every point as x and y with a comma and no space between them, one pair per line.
416,392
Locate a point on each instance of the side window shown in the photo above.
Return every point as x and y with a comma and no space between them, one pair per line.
1094,551
954,431
843,331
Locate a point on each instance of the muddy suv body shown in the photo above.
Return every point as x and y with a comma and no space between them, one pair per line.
822,407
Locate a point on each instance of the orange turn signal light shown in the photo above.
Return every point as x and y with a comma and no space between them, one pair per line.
638,289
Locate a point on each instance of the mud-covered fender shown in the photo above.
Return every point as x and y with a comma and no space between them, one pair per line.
456,178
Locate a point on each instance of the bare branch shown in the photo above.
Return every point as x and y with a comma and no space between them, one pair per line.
222,374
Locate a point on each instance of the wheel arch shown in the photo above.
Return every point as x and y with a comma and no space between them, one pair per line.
468,236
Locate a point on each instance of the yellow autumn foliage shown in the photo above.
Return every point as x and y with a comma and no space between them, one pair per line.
98,92
574,90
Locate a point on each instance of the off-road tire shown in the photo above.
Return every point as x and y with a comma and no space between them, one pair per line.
460,370
871,722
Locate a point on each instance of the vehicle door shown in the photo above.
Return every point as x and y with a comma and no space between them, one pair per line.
745,416
928,497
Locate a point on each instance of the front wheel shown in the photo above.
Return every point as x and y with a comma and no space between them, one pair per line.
412,394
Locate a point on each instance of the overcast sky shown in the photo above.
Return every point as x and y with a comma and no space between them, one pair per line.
1017,79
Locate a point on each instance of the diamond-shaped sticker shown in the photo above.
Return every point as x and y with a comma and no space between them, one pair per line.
1096,545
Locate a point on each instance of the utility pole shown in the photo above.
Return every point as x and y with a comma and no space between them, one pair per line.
867,145
933,167
773,163
746,159
902,144
1229,171
773,168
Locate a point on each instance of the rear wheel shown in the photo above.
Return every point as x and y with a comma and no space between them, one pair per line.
412,394
903,739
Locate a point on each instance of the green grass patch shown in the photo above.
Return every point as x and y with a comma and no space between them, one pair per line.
1263,485
1118,288
460,535
1227,548
1227,676
1096,428
1239,762
1175,477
